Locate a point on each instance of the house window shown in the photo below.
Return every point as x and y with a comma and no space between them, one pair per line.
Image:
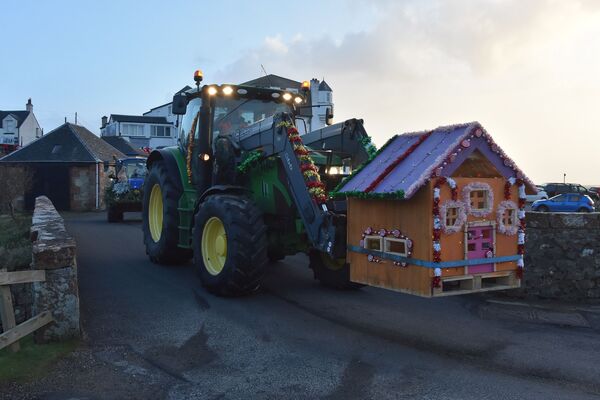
451,216
509,217
479,199
132,130
161,131
396,246
373,243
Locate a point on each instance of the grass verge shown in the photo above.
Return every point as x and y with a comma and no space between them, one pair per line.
33,360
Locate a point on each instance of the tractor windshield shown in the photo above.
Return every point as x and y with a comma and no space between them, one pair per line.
233,114
135,168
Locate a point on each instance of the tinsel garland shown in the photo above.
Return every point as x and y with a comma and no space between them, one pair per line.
398,195
190,148
358,169
396,162
520,230
437,222
250,159
368,145
309,170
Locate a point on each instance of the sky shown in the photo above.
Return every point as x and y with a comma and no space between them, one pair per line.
528,71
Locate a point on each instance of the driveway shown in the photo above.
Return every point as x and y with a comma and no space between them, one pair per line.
153,332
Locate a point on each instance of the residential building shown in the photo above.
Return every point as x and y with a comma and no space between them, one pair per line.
321,97
18,128
152,130
140,131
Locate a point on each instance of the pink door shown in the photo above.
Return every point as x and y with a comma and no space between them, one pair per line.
479,243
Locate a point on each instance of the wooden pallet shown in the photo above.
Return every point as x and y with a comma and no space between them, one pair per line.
463,284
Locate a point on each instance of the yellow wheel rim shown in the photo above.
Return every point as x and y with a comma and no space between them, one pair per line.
214,246
155,213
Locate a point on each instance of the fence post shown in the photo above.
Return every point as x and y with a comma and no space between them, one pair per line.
7,312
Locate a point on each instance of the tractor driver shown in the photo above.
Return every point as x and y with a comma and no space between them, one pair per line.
231,123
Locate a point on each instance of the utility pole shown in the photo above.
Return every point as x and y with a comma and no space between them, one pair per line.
75,117
564,178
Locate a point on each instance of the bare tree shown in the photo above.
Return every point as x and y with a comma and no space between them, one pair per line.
15,182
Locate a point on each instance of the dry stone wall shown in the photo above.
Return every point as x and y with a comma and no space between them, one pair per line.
562,259
54,252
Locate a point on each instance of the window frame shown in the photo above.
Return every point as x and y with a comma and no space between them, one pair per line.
387,240
488,196
373,237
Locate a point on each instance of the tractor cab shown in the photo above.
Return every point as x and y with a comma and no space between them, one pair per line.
133,171
214,116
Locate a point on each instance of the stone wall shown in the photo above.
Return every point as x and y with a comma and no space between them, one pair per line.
562,259
83,187
54,252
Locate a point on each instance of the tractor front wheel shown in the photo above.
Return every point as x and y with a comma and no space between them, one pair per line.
160,217
230,245
330,272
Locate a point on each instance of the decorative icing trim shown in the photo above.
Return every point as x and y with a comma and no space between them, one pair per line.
390,233
467,198
461,218
502,207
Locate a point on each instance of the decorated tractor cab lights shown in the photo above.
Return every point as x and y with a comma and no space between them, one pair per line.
437,213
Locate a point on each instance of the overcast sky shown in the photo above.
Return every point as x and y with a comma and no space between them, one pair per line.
529,71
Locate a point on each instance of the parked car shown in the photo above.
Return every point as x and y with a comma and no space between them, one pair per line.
541,195
552,189
568,202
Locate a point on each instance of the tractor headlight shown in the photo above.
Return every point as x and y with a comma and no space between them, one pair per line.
298,100
287,96
227,90
212,91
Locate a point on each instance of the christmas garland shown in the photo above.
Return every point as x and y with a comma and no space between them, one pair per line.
358,169
250,160
398,195
396,233
190,148
309,170
370,148
520,182
437,224
396,162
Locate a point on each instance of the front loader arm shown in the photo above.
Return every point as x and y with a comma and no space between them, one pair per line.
325,229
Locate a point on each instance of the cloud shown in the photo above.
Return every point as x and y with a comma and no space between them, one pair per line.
526,70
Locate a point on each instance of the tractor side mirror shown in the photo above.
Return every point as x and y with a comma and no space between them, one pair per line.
329,115
179,105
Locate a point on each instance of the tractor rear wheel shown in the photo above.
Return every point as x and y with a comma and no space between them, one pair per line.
160,217
330,272
230,245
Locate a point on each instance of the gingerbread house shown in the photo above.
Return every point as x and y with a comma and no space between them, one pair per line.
437,213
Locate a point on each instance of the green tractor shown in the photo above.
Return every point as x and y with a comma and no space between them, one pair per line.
244,187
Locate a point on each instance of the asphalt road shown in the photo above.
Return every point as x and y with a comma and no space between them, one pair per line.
153,332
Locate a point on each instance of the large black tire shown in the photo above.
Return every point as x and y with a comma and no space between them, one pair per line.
114,214
165,250
331,273
246,245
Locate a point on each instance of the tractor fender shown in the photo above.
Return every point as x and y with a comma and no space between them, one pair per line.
219,189
168,157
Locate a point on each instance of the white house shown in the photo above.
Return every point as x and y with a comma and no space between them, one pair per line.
321,97
18,128
140,131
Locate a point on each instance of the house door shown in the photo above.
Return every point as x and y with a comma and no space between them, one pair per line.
479,241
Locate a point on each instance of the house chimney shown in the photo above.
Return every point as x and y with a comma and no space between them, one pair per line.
104,122
29,105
